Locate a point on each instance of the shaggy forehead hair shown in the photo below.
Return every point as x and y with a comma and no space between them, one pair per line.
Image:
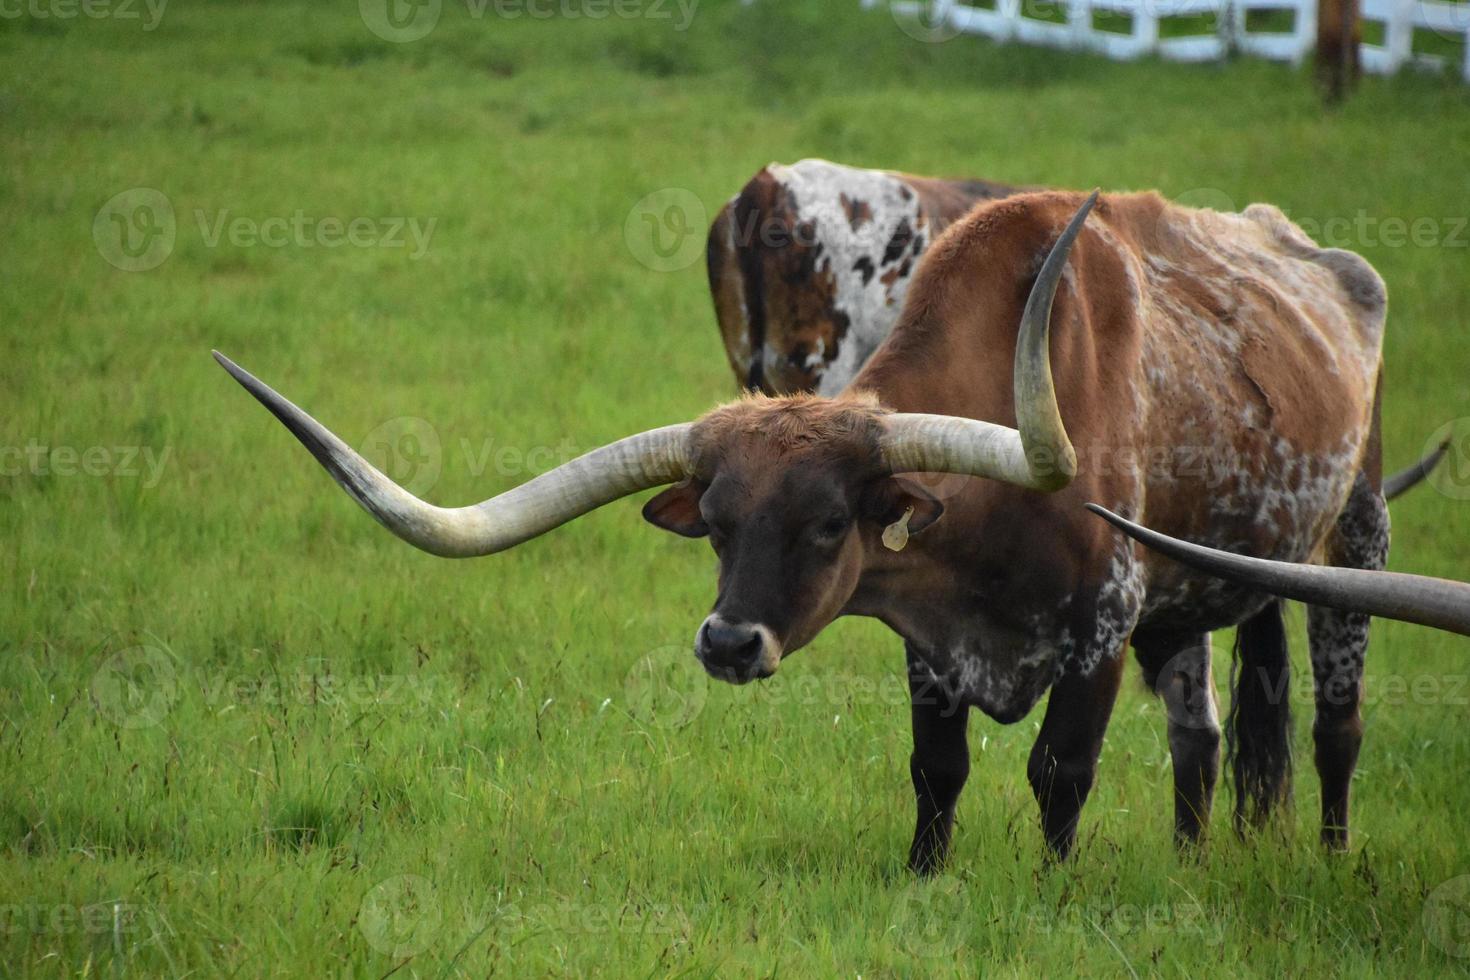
846,426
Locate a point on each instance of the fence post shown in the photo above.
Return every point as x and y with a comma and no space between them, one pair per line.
1466,38
1079,17
1010,12
1398,34
1146,26
1339,33
1305,29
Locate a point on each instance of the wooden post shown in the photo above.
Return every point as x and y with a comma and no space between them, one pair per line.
1339,32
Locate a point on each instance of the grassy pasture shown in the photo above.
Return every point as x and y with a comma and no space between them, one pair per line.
245,732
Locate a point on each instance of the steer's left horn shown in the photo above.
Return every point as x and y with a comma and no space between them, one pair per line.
1397,484
1418,599
1037,453
648,459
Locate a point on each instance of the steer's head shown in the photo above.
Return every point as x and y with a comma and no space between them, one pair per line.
792,493
795,493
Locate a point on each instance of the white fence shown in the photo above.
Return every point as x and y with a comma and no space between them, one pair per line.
1026,21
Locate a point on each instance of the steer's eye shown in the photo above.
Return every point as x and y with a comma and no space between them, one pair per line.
832,528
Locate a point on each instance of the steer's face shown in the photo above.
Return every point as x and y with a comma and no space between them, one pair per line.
792,498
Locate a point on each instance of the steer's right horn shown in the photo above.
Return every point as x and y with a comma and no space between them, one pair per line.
1037,453
648,459
1418,599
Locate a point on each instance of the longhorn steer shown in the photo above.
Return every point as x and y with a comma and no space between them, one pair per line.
1218,374
809,265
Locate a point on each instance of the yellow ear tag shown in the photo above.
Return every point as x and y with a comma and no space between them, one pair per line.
896,535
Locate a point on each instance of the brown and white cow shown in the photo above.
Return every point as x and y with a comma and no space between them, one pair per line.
810,263
1214,374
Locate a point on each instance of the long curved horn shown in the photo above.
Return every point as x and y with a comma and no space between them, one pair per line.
1395,484
648,459
1037,453
1418,599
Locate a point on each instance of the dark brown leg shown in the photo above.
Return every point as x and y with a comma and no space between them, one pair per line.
1177,667
1339,643
939,767
1064,759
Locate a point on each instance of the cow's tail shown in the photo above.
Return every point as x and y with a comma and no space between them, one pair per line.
1258,735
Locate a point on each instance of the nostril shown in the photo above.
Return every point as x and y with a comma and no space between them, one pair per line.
751,648
729,642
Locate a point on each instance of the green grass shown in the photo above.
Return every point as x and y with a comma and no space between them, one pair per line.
335,711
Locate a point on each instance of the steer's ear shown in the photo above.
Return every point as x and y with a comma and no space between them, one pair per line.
677,510
888,499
